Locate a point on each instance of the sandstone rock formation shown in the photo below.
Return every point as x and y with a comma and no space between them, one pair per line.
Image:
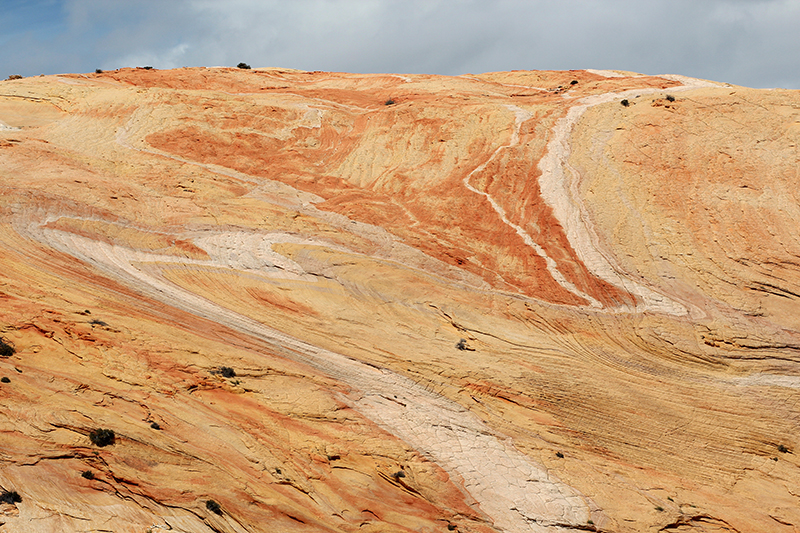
307,301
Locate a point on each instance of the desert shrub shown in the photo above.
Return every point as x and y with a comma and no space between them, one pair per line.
148,67
574,82
659,508
155,425
399,474
214,507
670,98
6,349
15,77
559,455
625,103
5,379
87,474
227,372
96,322
10,497
242,66
390,101
102,437
462,345
783,449
98,71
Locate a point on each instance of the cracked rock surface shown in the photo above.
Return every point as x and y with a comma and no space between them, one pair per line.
505,302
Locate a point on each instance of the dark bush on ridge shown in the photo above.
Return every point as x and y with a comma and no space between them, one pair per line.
102,437
11,497
242,66
6,349
227,372
214,507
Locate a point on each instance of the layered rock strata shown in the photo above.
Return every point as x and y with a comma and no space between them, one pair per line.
305,301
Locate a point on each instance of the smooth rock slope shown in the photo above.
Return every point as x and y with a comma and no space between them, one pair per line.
308,301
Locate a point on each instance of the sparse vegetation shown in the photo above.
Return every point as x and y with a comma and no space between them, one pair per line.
670,98
244,66
625,103
155,425
96,322
6,349
98,71
5,379
15,77
214,507
148,67
559,455
102,437
462,345
390,101
659,508
399,474
590,522
574,82
11,497
782,448
227,372
87,474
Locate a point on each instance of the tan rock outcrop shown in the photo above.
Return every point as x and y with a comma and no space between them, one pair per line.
306,301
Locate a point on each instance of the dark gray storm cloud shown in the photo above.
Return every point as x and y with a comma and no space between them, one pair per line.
746,42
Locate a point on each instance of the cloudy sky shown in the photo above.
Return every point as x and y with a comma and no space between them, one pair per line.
746,42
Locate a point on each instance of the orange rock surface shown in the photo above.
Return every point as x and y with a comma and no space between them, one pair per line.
519,301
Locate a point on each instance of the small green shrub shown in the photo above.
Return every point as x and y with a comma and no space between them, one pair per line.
399,474
659,508
87,474
625,103
670,98
6,349
559,455
15,77
155,425
102,437
98,71
783,449
4,379
574,82
11,497
390,101
244,66
214,507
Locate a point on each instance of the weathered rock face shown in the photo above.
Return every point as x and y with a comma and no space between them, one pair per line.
526,301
